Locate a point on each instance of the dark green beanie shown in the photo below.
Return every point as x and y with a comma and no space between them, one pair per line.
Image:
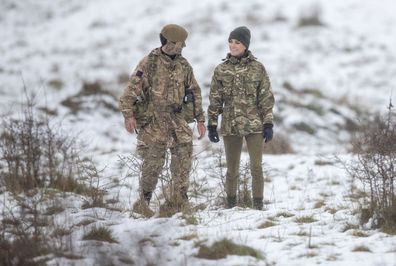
241,34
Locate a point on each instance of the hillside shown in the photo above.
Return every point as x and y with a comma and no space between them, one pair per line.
331,64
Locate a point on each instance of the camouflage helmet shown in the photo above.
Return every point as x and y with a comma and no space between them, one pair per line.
174,33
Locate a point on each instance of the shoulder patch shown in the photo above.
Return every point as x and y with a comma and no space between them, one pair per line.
139,73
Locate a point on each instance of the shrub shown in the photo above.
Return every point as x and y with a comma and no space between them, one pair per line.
35,154
37,164
375,168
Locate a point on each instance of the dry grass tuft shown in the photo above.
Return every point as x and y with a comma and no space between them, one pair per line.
222,248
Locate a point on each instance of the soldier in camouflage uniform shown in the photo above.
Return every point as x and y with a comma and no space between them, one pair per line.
241,91
161,79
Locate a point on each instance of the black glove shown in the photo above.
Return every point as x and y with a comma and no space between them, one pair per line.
268,132
189,96
213,136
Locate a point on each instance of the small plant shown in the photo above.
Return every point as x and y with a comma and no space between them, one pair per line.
310,17
311,254
280,144
305,219
244,188
359,233
302,233
284,214
331,210
190,219
332,257
323,162
57,84
189,237
100,233
60,232
319,204
266,224
85,222
349,226
222,248
361,248
51,210
302,126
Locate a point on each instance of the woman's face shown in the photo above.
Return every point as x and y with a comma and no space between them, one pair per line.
236,47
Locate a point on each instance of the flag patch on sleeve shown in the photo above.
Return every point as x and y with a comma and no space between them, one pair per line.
139,73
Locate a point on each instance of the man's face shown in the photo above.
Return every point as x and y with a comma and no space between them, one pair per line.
173,48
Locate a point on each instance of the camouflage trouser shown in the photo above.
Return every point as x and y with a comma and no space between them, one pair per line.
233,148
153,161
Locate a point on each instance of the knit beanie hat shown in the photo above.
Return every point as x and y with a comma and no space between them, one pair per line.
241,34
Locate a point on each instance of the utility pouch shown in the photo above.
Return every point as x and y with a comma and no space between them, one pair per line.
142,112
188,106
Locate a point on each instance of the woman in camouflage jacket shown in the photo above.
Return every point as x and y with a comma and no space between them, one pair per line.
241,91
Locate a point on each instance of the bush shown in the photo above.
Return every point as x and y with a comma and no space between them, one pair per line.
375,168
38,164
34,154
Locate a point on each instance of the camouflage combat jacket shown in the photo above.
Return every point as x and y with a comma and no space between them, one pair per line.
166,90
240,91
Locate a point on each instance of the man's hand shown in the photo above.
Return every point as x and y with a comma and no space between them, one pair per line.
130,124
201,129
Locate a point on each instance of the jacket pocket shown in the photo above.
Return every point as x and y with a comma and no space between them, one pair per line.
252,83
227,84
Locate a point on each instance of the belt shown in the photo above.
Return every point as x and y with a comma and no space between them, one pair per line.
173,108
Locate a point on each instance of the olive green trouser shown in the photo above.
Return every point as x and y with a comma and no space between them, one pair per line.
153,162
233,149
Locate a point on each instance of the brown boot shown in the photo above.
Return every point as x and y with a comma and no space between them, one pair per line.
141,207
173,206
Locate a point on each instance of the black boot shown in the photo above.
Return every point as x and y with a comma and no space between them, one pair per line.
231,202
258,203
147,196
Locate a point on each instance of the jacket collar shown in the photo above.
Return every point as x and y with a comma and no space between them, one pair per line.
247,57
158,52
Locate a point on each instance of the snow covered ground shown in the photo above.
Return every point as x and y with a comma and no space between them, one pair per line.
324,77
